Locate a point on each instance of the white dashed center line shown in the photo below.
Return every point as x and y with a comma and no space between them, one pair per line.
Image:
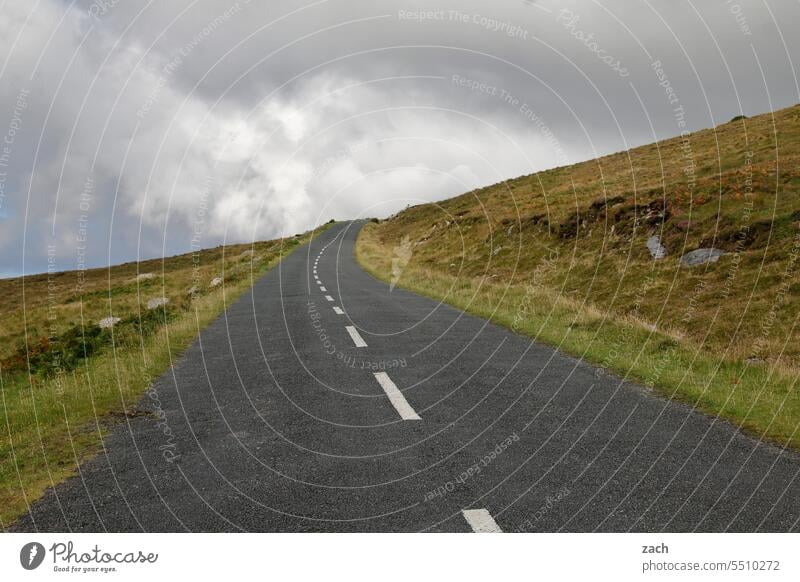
321,288
338,310
329,298
481,521
357,339
396,397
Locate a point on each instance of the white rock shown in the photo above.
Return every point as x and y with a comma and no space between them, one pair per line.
701,256
753,361
107,322
145,277
156,302
657,250
215,282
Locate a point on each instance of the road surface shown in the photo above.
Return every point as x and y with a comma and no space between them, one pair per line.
323,401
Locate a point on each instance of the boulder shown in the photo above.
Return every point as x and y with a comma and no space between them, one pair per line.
157,302
108,322
701,257
657,250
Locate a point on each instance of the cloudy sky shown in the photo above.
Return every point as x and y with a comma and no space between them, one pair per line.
130,128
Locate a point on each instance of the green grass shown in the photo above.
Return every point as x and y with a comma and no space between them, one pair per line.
560,256
55,414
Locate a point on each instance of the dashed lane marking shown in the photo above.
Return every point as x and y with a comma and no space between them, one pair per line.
338,310
481,521
357,339
396,397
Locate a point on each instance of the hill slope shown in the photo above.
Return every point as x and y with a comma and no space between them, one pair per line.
563,256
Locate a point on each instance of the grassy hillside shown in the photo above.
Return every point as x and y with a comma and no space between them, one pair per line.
562,256
66,379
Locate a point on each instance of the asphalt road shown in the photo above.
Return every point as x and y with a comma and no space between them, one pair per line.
340,405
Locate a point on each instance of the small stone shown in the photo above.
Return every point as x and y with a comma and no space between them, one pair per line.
145,277
108,322
157,302
215,282
193,290
753,361
497,250
657,250
701,256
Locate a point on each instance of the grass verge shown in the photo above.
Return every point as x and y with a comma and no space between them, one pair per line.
52,421
760,399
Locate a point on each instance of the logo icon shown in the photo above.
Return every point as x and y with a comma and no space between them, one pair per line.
31,555
402,255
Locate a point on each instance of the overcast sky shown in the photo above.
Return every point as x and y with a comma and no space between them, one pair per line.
131,128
